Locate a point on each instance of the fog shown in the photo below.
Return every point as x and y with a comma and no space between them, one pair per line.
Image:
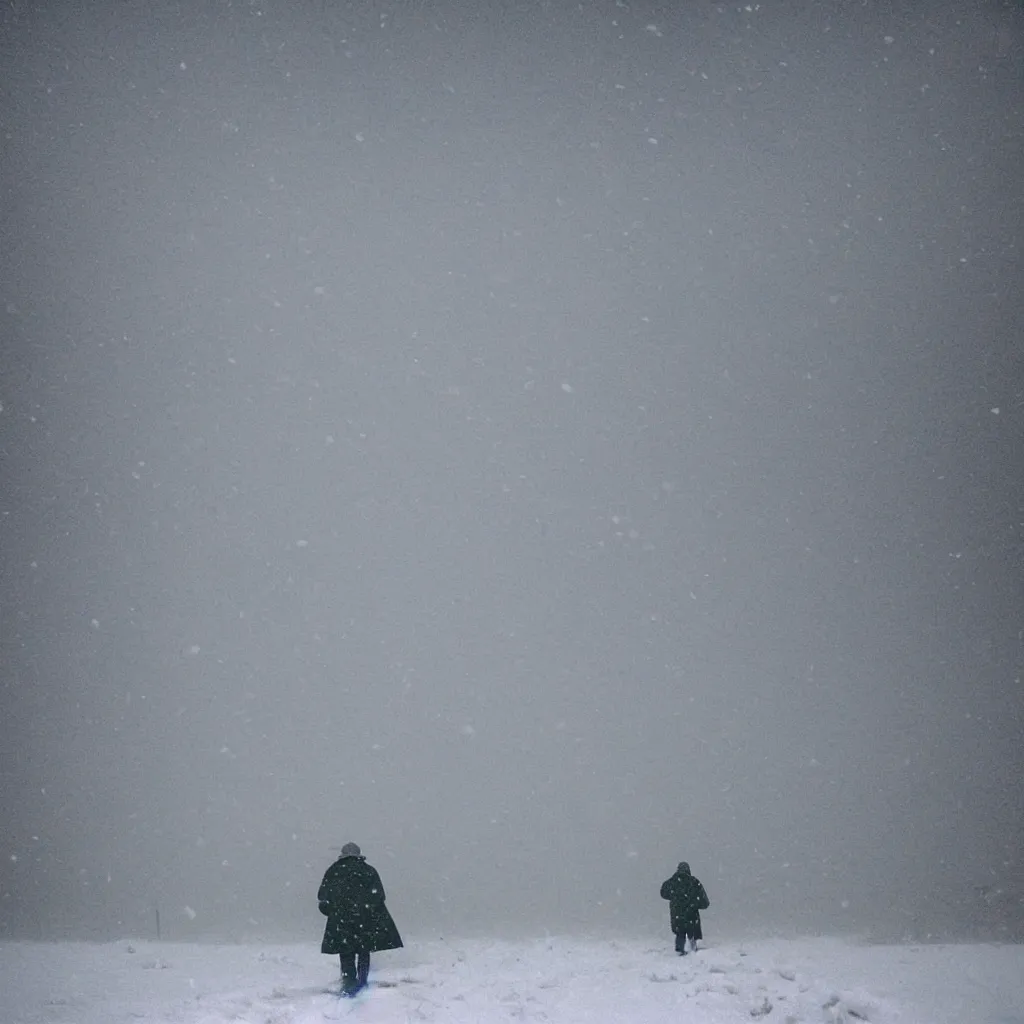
537,442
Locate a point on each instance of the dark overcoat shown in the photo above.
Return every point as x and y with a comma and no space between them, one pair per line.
686,899
352,897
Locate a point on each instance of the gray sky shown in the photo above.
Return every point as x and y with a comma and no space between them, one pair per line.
538,442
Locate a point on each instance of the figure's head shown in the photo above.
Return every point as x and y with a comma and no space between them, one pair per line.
684,868
350,850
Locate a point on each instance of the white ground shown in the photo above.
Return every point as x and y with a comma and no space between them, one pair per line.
560,980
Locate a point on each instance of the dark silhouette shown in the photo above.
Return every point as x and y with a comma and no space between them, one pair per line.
686,899
358,922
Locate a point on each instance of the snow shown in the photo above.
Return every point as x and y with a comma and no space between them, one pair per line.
556,980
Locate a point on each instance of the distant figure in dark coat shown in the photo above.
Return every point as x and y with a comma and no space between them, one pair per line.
686,899
358,923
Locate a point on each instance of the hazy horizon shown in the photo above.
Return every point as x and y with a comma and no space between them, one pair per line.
538,442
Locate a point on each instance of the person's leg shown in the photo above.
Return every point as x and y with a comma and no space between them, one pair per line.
363,970
681,943
348,972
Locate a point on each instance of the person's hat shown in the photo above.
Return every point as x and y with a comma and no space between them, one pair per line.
350,850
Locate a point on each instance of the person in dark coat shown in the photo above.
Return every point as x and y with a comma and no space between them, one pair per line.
358,923
686,899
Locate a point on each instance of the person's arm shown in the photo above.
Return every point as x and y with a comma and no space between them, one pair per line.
376,887
702,898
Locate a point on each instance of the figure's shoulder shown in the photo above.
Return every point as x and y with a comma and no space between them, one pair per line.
343,866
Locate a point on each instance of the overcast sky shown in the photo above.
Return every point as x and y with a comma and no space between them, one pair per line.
537,442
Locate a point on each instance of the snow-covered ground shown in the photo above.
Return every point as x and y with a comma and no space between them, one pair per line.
558,980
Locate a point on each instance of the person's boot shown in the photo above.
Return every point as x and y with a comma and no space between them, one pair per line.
363,971
349,982
349,985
